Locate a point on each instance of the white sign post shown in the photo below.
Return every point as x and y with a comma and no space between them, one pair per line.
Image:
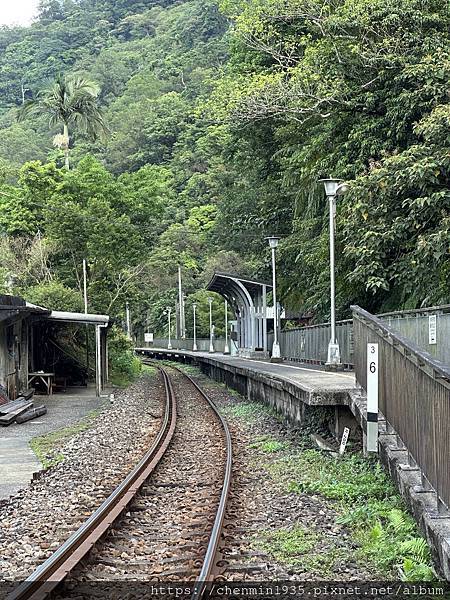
432,330
148,338
372,398
344,440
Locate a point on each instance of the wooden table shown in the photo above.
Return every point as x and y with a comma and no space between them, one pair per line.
46,378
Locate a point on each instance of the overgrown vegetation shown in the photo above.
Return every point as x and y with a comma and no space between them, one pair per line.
250,412
188,369
367,503
268,444
46,446
125,365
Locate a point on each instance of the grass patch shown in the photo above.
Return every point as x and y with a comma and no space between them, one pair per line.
45,446
250,412
269,445
348,479
367,503
149,370
288,546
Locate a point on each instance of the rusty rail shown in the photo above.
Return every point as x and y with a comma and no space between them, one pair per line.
210,560
414,396
55,569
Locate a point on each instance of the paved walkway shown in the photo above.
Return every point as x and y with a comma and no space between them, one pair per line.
18,462
311,376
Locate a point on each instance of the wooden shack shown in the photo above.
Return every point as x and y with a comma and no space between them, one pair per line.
16,319
24,333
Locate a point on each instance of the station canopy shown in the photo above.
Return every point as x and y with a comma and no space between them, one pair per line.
248,298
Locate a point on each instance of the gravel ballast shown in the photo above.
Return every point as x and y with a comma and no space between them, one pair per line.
38,519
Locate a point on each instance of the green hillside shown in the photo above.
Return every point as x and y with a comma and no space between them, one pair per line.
221,117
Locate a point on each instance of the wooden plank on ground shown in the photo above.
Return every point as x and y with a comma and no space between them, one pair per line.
12,406
6,420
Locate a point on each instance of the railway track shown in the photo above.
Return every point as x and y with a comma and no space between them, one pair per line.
185,477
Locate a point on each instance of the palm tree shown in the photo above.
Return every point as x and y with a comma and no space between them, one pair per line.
70,101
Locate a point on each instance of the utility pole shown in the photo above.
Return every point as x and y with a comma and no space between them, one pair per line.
181,303
24,89
194,346
85,287
127,306
211,327
86,311
169,345
276,355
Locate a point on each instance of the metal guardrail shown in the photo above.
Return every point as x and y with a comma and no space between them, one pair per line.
414,396
309,344
202,344
414,324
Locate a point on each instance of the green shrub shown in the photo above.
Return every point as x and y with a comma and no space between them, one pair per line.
125,366
352,477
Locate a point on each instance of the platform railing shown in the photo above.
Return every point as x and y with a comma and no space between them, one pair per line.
202,344
309,344
414,396
415,325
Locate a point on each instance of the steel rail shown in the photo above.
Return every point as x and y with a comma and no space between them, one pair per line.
54,570
206,573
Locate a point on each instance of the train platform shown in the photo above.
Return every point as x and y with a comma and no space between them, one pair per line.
293,390
317,383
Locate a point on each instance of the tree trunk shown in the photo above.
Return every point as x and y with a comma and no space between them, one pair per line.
66,149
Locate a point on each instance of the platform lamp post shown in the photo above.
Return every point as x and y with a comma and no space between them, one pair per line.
169,312
276,354
333,188
194,345
211,344
227,347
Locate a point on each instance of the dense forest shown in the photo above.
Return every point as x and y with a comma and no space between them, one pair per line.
218,118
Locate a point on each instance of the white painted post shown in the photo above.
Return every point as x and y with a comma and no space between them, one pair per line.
372,397
98,362
344,440
432,330
227,348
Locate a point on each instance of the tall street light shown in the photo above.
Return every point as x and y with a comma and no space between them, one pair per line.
194,345
333,188
169,312
276,355
211,344
227,348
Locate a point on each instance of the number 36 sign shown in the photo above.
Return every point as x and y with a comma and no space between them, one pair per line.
372,397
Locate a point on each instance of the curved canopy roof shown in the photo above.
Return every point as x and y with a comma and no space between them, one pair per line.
224,282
